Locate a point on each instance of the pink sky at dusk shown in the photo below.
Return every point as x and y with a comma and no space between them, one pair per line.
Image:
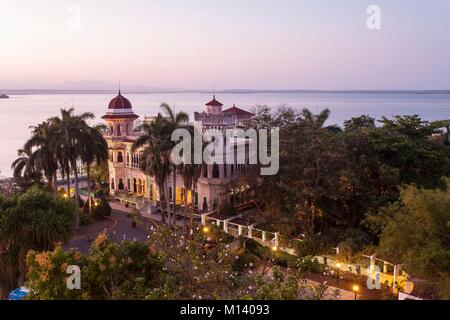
234,44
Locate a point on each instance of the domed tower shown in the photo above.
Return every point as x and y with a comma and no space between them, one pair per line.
120,118
124,172
214,106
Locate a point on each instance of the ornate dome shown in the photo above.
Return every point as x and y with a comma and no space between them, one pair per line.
120,102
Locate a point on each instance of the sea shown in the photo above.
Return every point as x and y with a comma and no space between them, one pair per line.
21,111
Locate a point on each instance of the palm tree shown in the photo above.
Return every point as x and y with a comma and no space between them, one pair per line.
315,120
93,148
154,160
43,157
69,144
190,173
174,121
24,169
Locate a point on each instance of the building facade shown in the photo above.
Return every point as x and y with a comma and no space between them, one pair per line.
217,181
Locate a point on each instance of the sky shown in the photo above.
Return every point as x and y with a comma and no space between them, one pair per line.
227,44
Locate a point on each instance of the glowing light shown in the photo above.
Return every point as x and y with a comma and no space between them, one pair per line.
205,229
274,248
338,265
355,288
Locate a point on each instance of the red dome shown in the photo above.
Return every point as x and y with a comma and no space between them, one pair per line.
120,102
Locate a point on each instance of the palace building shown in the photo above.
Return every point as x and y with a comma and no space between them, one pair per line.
217,182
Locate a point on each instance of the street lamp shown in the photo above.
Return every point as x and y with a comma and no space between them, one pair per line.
338,266
205,229
356,290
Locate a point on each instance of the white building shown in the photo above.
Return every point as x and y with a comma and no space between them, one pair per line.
217,181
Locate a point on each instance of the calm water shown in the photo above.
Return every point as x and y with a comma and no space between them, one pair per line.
20,112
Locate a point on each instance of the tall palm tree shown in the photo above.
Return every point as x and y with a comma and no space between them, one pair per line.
190,173
174,121
69,144
154,160
93,148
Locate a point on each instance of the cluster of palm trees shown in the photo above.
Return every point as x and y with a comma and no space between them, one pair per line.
155,160
61,144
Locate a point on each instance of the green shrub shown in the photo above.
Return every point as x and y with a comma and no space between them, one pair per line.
226,208
313,245
102,210
308,265
244,262
284,259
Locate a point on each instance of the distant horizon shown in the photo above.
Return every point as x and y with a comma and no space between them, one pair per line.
25,91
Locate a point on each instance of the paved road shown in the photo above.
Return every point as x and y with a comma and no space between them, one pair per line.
119,226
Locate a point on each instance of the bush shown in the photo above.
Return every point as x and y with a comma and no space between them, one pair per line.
284,259
309,265
313,245
226,208
102,210
253,247
84,218
244,262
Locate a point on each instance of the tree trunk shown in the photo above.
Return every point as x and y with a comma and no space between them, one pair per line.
50,183
161,202
174,196
77,199
167,200
88,175
55,182
185,212
68,181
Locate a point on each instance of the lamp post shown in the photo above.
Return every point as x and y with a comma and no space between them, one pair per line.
338,269
356,290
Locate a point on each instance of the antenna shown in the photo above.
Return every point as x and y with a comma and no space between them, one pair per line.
119,88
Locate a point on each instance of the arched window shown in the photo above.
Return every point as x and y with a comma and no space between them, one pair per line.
216,173
134,185
113,186
232,169
129,184
111,130
139,186
205,204
127,132
118,130
128,159
120,185
120,157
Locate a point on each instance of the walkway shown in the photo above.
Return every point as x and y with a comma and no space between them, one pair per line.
117,226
